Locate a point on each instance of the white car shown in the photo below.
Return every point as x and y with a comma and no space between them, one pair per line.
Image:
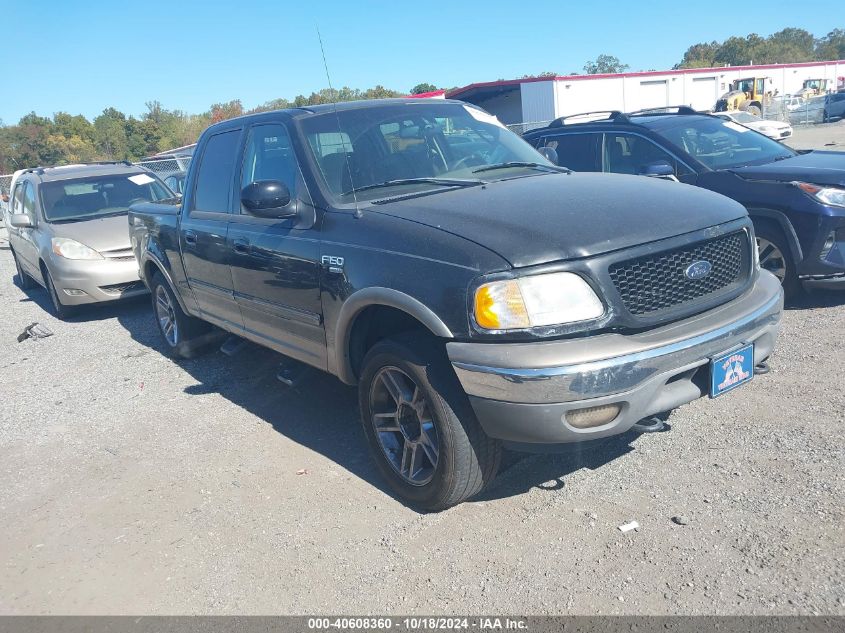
777,130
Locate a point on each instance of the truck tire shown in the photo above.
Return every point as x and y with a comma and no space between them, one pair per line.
421,429
776,257
24,281
183,335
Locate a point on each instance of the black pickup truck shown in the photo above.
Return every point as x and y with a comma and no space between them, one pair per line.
476,293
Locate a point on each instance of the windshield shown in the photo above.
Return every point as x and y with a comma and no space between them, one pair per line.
98,196
392,150
723,144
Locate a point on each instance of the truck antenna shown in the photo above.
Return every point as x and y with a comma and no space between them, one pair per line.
339,130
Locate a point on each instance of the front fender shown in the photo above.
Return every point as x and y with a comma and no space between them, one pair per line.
339,357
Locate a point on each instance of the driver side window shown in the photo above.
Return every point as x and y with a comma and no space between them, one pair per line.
632,154
28,207
269,156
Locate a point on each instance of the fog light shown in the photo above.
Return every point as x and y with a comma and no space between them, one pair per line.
73,292
828,245
593,416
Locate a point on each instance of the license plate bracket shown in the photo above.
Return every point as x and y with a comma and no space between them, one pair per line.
731,370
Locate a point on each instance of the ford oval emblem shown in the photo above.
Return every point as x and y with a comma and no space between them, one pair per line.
698,270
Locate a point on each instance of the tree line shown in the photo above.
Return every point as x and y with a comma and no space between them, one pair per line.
67,138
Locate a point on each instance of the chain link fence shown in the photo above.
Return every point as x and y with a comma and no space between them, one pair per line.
522,128
795,110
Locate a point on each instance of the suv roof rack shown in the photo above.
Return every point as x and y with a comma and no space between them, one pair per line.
678,109
612,115
40,170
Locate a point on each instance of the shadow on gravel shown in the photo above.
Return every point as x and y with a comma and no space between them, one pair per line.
817,299
521,472
321,414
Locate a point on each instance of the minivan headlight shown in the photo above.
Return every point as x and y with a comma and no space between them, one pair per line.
539,300
833,196
71,249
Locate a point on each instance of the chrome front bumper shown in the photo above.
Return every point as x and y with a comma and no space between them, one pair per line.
521,392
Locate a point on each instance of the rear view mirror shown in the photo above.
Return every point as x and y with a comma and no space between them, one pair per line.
549,153
267,199
659,169
21,221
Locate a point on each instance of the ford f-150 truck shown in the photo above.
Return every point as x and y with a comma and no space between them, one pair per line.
476,293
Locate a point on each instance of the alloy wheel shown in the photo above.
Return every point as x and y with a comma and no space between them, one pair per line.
771,258
166,317
404,425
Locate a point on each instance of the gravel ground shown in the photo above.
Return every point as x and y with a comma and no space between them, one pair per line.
130,483
826,136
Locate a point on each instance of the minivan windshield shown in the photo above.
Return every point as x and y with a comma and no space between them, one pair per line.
721,144
78,199
395,150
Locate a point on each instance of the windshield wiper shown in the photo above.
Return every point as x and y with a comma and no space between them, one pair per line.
86,218
519,163
446,182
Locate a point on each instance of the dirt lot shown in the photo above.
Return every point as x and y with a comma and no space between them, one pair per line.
133,484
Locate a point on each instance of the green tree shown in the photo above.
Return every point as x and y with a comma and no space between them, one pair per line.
831,46
699,56
110,135
605,64
228,110
422,88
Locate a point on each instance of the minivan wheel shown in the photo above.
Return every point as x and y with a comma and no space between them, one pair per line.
24,281
182,334
421,429
60,309
776,257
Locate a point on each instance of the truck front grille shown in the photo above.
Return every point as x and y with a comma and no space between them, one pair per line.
658,283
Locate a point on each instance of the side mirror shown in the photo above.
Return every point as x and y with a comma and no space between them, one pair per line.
549,153
21,221
660,169
268,199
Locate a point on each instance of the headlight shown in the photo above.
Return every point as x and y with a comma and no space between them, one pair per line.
71,249
833,196
551,299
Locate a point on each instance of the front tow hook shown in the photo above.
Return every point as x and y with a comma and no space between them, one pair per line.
762,368
651,424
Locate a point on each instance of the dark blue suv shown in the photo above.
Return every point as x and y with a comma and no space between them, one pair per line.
795,199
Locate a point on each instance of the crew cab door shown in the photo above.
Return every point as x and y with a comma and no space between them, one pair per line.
202,231
275,262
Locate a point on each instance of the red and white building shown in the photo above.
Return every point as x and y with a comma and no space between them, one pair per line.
545,98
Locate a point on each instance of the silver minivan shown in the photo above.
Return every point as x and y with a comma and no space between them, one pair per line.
68,231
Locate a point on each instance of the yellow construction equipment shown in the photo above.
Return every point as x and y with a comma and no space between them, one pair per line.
747,94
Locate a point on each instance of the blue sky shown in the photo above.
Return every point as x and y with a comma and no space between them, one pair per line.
81,56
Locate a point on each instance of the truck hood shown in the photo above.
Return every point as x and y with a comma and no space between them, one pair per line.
103,235
553,217
821,168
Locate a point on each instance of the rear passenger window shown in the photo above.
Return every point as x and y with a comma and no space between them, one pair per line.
216,172
579,152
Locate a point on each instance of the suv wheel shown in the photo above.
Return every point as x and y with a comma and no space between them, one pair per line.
776,257
60,309
181,333
24,281
420,426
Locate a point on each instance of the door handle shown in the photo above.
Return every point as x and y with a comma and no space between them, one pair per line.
241,246
190,238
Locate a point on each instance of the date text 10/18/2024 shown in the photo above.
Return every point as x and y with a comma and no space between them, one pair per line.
417,623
